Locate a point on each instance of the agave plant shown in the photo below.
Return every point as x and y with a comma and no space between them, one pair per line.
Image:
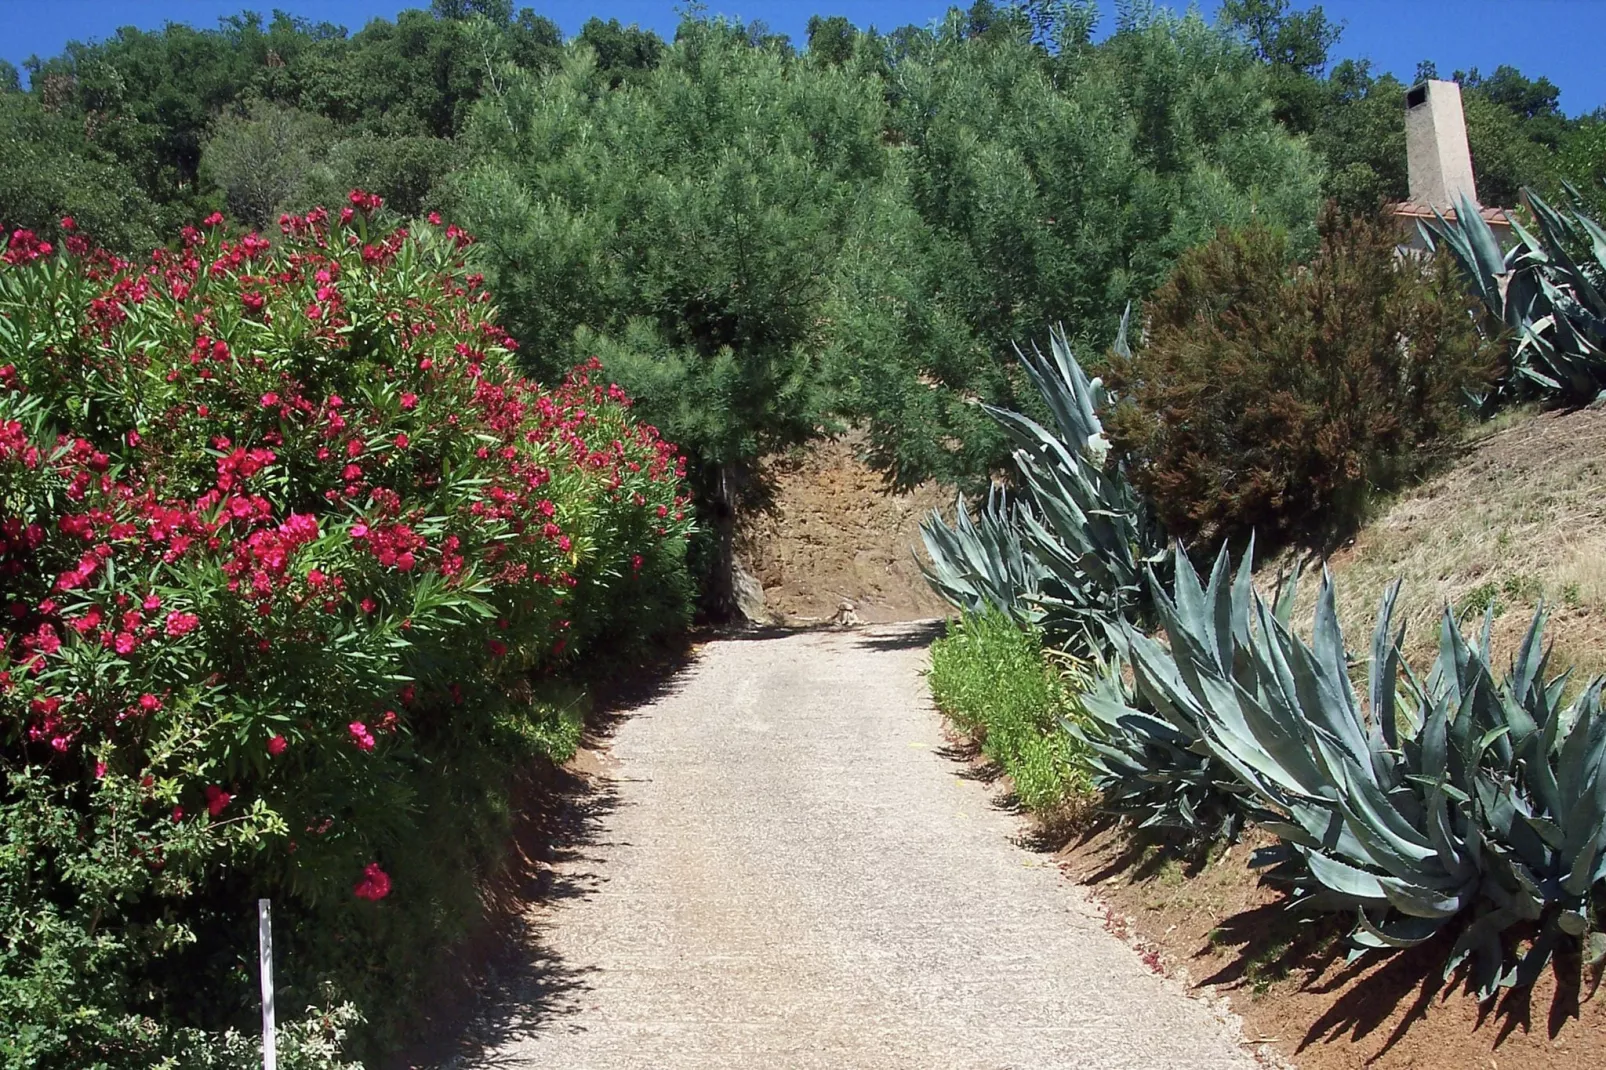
1549,300
983,563
1073,560
1150,759
1467,801
1150,769
1091,528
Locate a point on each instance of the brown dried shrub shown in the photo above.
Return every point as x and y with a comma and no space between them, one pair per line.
1278,398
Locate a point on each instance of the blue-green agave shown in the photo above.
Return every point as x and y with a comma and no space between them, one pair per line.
982,563
1085,537
1469,800
1545,295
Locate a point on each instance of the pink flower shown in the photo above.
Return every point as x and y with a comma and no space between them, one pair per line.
125,643
216,799
277,744
368,605
409,400
402,441
152,602
180,623
178,813
375,884
269,400
149,703
100,770
46,640
498,648
299,528
360,735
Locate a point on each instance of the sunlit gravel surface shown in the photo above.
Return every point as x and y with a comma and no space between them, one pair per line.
790,873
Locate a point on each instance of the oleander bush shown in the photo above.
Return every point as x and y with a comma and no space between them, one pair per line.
1276,399
989,677
291,557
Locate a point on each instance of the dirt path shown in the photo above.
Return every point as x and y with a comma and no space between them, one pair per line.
788,874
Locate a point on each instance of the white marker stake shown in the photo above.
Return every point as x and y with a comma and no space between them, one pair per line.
270,1055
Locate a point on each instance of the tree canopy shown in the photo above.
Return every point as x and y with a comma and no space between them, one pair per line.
763,240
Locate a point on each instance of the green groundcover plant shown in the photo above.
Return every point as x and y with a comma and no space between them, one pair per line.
284,540
989,677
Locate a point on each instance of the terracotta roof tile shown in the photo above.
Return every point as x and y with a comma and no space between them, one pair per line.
1409,210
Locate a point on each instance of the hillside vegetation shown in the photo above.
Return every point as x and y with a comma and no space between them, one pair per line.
362,394
1515,522
1425,770
766,239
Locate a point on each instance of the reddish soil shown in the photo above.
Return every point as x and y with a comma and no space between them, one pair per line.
835,532
1214,923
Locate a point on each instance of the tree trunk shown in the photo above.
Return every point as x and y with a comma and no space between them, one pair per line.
722,580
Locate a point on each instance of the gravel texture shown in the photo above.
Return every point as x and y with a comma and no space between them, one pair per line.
786,871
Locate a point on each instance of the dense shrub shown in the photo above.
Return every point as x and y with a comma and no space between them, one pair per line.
1274,398
289,550
989,677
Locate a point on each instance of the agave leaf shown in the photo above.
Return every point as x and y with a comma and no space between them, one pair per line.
1385,667
1346,880
1418,902
1396,933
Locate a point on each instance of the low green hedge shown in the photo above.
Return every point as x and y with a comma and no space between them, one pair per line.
990,678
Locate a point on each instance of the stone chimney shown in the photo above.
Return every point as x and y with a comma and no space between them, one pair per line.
1436,152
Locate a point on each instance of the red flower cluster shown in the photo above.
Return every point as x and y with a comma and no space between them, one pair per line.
375,883
341,509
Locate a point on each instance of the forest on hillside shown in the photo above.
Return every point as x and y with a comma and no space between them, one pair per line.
764,236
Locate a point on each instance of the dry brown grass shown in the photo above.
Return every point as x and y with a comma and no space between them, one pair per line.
1519,519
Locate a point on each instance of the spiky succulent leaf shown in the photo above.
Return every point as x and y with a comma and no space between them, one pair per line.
982,563
1482,807
1545,290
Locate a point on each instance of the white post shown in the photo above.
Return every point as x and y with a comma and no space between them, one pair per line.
270,1055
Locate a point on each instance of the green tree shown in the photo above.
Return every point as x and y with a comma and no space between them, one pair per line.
262,160
697,229
49,170
624,52
1057,186
1295,45
831,39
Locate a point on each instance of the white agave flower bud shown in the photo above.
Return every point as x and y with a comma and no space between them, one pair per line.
1096,448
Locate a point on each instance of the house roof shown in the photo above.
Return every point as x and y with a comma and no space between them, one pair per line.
1406,209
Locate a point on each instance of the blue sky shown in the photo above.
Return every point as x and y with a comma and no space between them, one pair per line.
1560,39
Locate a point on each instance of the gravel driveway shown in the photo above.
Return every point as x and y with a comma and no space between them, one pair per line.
789,873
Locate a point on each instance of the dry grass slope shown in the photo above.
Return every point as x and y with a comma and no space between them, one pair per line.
1518,520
